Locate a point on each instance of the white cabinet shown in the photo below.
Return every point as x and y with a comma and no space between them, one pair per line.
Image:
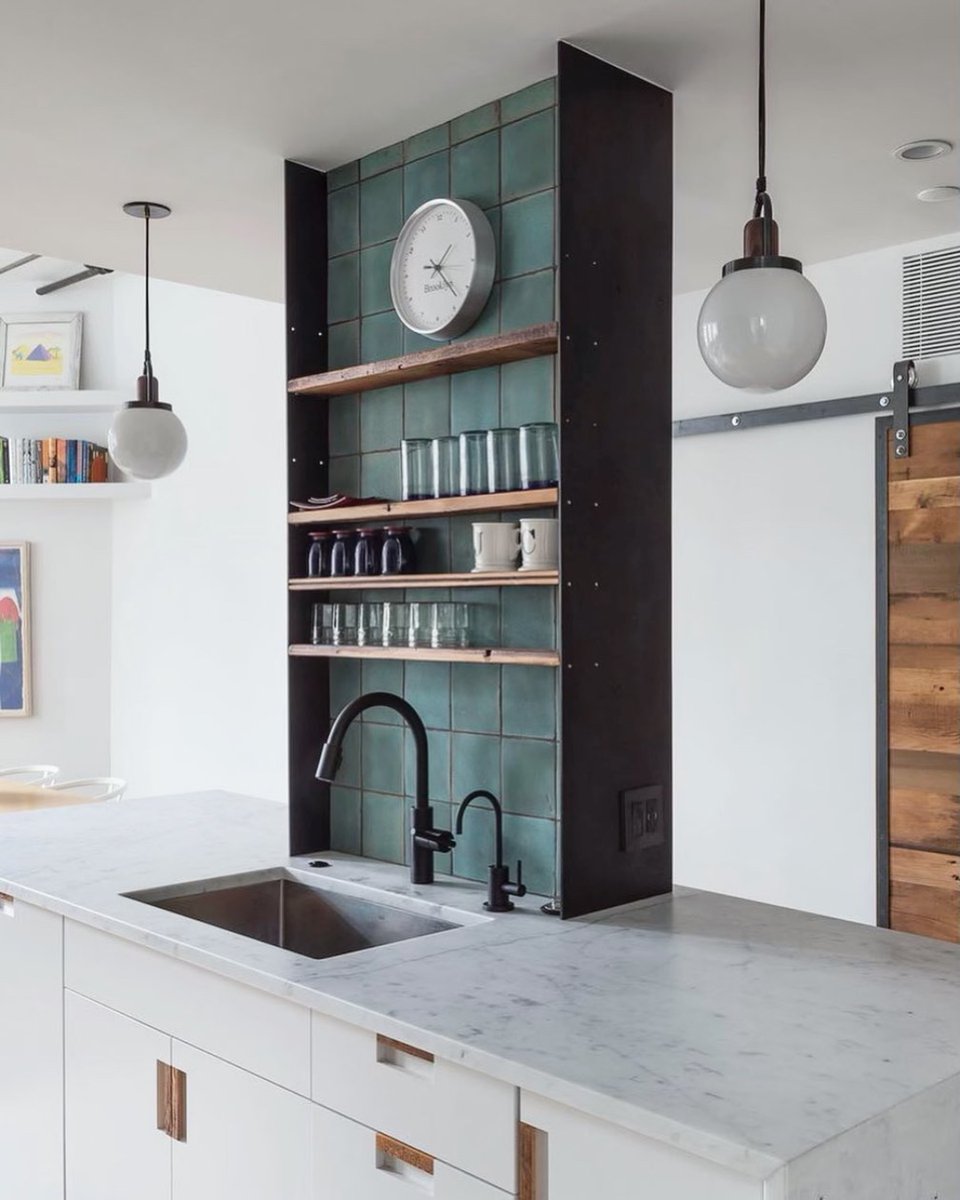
572,1156
31,1052
237,1135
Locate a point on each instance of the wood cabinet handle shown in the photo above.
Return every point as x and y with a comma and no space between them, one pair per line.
163,1097
389,1043
391,1148
531,1152
171,1102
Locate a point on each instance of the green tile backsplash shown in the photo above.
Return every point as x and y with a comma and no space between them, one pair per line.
487,726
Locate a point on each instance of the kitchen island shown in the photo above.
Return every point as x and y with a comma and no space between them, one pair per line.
696,1045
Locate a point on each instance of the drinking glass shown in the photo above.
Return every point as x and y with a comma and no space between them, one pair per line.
450,625
539,455
321,631
398,555
396,623
369,624
367,552
416,470
474,477
445,452
318,557
420,628
344,624
503,459
341,555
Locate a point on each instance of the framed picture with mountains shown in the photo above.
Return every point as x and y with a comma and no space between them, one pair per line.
41,351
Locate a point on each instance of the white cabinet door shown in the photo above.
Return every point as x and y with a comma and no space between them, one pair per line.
245,1138
31,1052
114,1150
576,1156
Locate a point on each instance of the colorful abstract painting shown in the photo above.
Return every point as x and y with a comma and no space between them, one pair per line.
14,629
41,351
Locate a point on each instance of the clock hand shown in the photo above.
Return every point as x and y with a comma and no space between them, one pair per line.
447,282
445,253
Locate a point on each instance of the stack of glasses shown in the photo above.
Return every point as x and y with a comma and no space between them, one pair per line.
392,623
479,461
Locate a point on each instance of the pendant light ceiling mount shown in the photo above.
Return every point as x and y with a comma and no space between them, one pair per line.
147,210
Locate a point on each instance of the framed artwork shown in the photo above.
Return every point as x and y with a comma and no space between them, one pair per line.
15,629
41,351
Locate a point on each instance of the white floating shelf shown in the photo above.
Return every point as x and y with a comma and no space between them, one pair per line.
74,491
89,400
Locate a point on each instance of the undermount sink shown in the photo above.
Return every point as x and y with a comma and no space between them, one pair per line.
277,908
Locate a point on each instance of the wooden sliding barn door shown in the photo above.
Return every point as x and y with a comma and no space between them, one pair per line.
919,685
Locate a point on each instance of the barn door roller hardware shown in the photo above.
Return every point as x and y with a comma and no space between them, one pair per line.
87,273
899,401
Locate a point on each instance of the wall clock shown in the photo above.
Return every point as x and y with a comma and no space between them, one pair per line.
442,268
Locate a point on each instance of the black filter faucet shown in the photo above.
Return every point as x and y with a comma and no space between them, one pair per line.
500,887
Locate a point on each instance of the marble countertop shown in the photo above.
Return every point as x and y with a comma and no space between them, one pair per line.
741,1032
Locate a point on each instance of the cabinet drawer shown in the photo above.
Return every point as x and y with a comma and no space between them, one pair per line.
260,1033
460,1116
351,1162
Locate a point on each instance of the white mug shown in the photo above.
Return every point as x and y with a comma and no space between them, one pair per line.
540,543
496,545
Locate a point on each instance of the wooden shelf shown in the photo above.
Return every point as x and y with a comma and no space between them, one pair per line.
478,654
464,579
87,400
448,359
449,506
74,491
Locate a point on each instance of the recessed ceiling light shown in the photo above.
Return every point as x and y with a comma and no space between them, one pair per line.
923,149
936,195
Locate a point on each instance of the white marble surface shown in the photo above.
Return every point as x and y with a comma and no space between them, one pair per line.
747,1034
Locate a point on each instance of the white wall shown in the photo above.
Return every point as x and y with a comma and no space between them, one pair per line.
199,602
774,615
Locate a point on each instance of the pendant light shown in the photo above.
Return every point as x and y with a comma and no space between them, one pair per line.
147,440
763,326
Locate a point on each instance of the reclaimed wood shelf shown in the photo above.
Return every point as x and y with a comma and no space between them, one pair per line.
458,579
448,506
478,654
449,359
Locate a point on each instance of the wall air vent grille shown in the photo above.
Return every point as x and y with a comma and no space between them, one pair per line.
931,303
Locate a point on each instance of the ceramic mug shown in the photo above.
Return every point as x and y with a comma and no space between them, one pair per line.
540,543
496,545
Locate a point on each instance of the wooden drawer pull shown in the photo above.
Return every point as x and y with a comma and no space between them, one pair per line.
389,1043
388,1147
532,1166
171,1102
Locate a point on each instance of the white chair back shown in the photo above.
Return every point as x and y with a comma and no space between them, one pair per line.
43,775
100,787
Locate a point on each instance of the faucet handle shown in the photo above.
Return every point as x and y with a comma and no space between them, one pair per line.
517,888
440,841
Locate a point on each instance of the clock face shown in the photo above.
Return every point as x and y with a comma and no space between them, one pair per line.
442,268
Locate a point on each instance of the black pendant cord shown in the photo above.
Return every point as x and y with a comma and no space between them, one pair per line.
147,363
763,204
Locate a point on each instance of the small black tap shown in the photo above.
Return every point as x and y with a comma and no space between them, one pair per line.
425,841
499,884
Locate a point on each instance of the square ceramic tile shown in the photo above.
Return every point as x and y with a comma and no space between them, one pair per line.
476,121
529,777
381,419
432,544
526,239
527,156
534,841
425,179
344,475
529,619
343,288
427,688
382,758
416,341
349,771
475,400
529,702
530,100
345,683
343,345
380,474
475,762
375,278
384,826
340,176
426,408
475,170
527,391
438,768
484,602
380,336
344,425
427,142
381,160
462,559
526,300
475,697
345,820
343,220
382,675
381,207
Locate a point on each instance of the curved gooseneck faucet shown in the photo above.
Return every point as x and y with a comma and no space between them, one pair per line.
500,887
425,840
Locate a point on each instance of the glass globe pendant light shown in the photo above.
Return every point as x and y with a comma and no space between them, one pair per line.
147,440
763,326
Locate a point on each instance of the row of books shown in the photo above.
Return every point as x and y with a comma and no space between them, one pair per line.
51,460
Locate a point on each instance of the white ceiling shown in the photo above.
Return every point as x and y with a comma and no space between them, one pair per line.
196,103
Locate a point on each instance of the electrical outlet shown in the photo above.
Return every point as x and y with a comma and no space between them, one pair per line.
641,818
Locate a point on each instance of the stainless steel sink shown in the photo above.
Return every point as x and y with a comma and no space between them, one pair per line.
277,908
